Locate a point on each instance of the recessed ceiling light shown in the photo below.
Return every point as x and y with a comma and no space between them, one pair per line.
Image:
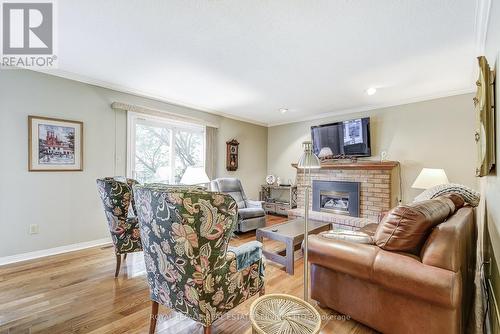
283,110
371,90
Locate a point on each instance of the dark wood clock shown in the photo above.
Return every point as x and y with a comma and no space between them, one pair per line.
232,155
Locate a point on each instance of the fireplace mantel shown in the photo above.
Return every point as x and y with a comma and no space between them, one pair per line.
378,186
361,164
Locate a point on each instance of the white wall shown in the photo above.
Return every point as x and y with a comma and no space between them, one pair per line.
252,163
436,134
65,205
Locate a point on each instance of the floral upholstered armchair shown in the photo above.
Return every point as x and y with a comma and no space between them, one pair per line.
118,201
185,234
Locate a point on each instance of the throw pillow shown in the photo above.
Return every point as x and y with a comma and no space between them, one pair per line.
406,227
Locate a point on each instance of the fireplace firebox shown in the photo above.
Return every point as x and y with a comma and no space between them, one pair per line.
334,202
336,197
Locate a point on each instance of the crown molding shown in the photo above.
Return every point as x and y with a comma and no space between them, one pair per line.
378,106
128,90
104,84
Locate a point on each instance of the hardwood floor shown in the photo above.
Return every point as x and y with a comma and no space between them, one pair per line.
77,293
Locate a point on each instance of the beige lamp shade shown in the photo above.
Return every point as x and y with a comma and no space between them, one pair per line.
194,175
430,177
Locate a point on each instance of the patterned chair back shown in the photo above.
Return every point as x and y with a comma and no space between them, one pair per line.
185,234
131,183
116,197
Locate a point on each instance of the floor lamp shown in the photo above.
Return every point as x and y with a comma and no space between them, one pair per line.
307,161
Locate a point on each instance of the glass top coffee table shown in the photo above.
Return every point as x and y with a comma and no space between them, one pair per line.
291,233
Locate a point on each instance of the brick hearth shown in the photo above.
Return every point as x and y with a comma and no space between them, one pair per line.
379,186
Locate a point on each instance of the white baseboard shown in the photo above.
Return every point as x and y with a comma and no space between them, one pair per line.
52,251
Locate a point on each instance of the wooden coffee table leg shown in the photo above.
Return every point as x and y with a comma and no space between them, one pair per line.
289,257
259,237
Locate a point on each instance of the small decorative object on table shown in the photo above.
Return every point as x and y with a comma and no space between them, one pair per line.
270,179
352,158
283,314
340,158
232,155
325,153
278,181
54,144
384,156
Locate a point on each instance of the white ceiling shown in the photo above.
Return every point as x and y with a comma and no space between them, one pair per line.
249,58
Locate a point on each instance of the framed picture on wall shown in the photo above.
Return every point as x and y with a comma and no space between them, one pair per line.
54,145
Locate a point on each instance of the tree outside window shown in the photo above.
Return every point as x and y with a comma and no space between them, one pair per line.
157,160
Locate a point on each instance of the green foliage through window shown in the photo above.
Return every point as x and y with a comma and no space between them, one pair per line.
156,160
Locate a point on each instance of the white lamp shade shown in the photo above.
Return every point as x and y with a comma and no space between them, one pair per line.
430,177
195,175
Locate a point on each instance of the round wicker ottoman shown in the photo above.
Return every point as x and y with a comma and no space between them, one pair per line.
283,314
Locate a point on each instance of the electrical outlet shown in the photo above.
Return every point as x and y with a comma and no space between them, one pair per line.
34,229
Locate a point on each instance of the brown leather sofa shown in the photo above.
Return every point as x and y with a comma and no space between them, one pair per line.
395,292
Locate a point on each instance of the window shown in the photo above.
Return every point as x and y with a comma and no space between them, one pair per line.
160,149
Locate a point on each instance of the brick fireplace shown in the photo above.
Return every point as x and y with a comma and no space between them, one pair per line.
378,184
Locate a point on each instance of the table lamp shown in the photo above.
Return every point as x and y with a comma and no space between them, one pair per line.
307,161
195,176
430,177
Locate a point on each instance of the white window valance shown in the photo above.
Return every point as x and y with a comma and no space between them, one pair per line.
161,113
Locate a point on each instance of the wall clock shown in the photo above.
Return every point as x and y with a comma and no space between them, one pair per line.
270,179
232,155
484,104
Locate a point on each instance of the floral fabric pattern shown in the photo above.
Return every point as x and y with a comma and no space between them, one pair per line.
185,233
116,198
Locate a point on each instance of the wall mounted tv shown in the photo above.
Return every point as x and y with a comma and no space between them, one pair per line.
351,138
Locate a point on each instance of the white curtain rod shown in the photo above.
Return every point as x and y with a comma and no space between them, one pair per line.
160,113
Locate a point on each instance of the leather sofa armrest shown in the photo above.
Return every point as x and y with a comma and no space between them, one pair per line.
253,204
343,256
396,272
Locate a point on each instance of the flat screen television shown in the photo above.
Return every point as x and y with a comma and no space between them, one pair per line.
350,137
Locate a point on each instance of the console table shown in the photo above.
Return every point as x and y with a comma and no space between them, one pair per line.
278,199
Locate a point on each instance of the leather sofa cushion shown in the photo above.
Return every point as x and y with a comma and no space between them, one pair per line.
369,229
247,213
406,227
